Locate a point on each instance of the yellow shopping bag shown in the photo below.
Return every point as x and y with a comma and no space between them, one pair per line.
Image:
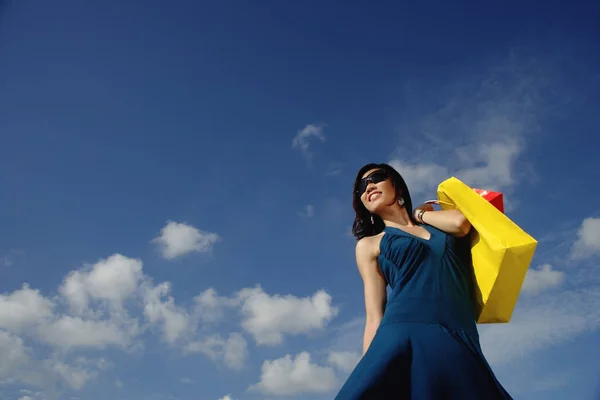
501,251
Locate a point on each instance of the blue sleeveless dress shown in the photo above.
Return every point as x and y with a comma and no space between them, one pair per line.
427,345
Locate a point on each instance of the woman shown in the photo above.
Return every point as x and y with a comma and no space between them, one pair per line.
421,343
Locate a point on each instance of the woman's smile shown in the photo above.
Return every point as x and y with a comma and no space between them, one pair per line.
375,195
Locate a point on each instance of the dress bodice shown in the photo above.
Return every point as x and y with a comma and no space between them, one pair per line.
430,279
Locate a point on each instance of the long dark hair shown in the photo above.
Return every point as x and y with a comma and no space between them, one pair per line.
362,225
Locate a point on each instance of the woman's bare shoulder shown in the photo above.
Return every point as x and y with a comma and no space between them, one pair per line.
368,247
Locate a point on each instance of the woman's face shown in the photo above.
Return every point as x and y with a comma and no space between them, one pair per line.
376,190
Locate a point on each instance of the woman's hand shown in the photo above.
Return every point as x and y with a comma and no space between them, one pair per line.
449,221
427,206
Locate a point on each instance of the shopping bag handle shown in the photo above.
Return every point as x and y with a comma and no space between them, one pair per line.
438,202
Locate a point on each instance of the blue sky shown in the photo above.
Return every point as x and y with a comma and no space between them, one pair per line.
175,186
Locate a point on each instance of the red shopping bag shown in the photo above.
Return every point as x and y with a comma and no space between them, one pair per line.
495,198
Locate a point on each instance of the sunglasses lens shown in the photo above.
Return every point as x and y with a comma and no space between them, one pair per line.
375,177
362,187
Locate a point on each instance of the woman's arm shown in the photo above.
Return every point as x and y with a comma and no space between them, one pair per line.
450,221
374,285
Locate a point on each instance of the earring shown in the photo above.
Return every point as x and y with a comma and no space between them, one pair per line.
401,201
372,220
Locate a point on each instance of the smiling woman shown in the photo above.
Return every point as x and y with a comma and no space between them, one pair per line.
421,342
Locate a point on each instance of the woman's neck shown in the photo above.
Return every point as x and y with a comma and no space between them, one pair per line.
396,215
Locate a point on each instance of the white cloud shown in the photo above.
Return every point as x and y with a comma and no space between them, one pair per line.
550,320
308,211
17,364
226,397
420,177
304,137
177,239
232,351
160,308
94,309
344,361
70,332
235,351
497,169
13,353
208,306
542,278
588,239
113,279
110,282
76,376
289,376
100,299
23,309
267,318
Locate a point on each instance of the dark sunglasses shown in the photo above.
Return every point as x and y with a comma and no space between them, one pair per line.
375,177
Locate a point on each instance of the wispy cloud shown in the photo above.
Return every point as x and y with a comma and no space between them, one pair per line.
348,336
307,212
541,279
550,320
547,315
478,133
588,239
9,259
344,361
306,136
231,351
